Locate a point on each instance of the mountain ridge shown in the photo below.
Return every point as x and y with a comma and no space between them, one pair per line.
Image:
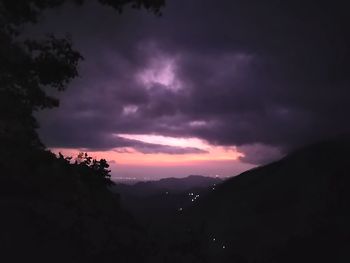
299,199
170,184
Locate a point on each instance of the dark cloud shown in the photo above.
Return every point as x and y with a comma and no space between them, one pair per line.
244,73
259,153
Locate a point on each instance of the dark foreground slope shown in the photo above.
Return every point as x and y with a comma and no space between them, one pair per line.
55,211
293,210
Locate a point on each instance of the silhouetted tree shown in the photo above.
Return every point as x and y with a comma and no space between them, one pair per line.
52,209
29,67
94,170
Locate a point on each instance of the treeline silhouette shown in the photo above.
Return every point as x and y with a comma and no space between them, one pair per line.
53,208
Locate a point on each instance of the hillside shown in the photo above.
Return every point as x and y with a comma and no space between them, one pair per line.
293,210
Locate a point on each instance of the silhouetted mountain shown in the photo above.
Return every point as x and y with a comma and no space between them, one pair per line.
293,210
172,185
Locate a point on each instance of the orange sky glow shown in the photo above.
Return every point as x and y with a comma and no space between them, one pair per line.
203,163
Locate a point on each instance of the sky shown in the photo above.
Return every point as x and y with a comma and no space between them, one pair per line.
209,87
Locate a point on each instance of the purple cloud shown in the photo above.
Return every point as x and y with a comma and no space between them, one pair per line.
231,73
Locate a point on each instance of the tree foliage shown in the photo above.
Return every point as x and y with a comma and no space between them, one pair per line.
52,205
93,170
29,67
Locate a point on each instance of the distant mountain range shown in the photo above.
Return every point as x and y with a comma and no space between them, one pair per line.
170,185
158,202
